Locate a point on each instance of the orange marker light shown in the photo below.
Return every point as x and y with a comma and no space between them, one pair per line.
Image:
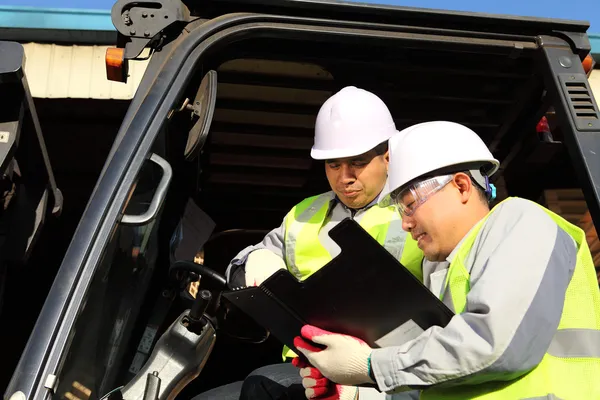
588,63
116,65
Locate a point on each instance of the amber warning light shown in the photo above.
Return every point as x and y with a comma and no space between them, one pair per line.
116,65
588,63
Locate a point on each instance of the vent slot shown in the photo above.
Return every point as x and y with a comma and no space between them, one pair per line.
581,100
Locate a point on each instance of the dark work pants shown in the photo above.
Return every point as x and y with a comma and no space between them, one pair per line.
273,382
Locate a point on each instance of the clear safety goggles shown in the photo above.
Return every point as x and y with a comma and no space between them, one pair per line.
409,199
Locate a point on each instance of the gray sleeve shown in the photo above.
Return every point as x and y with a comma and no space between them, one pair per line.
273,241
521,267
366,393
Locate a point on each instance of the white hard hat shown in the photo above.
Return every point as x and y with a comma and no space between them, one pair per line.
351,122
430,146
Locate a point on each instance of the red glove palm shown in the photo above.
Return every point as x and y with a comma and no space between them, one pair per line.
320,388
344,359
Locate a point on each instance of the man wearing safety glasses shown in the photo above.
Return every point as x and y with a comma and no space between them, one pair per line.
519,278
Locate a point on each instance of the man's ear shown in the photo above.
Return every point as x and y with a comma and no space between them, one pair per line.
386,160
464,185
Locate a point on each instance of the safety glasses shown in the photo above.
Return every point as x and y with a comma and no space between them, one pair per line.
409,199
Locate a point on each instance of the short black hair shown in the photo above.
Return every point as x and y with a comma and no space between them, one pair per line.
381,148
478,188
482,195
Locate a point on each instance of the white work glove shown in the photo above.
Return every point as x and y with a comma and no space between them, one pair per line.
260,265
345,359
317,387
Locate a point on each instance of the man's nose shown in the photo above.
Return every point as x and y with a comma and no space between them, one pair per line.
347,176
407,223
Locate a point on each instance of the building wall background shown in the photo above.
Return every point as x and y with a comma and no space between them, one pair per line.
57,71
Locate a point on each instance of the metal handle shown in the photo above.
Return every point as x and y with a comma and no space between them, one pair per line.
159,196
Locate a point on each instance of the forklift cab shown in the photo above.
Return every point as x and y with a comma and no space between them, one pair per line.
214,150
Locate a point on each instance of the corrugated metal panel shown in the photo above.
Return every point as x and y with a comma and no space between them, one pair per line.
595,42
75,71
79,72
594,80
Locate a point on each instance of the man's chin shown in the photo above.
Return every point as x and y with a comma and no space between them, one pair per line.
433,257
353,202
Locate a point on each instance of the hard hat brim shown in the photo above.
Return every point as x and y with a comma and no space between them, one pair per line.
318,154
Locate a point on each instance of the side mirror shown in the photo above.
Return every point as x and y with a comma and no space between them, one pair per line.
203,108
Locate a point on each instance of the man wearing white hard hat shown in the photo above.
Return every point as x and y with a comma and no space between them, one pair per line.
351,137
520,279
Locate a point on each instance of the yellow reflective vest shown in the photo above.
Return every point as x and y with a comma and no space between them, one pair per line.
570,368
305,254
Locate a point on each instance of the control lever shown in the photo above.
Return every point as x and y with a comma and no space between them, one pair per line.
152,386
178,356
195,321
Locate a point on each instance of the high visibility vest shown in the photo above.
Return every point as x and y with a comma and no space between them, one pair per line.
305,254
570,369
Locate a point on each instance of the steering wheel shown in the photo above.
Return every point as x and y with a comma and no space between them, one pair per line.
229,319
210,276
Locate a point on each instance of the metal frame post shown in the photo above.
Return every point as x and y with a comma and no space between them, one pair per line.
578,115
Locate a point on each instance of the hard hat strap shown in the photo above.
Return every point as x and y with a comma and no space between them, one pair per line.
483,181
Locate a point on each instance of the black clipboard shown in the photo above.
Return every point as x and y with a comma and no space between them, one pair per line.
364,292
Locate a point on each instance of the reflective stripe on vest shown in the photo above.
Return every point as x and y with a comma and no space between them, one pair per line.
305,254
571,366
